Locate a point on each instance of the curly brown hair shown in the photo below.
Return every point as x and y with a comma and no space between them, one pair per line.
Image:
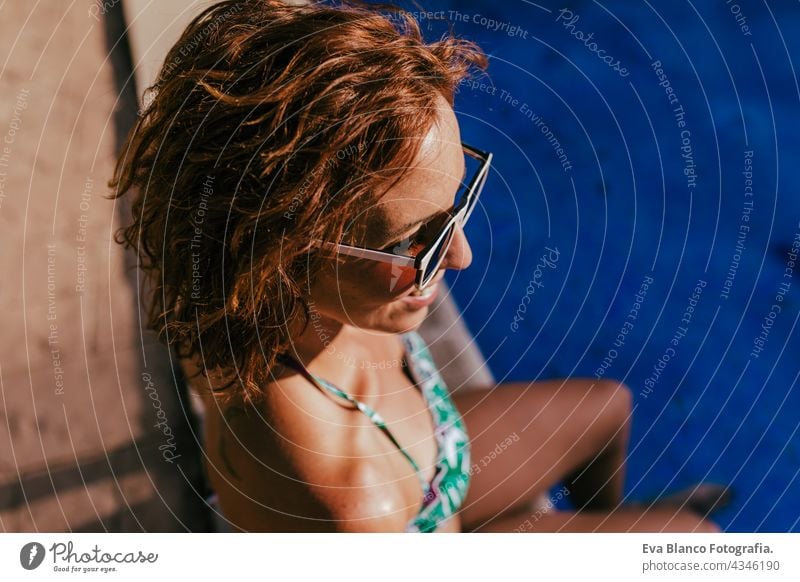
270,126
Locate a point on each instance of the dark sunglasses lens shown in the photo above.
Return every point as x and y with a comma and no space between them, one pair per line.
477,191
472,167
438,254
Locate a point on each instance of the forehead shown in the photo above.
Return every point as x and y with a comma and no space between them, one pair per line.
429,186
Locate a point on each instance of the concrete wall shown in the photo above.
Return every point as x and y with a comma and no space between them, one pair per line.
79,449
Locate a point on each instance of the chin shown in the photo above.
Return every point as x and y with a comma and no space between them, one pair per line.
409,312
399,315
396,318
413,321
404,319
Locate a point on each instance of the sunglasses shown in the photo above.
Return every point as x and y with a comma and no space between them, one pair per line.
437,239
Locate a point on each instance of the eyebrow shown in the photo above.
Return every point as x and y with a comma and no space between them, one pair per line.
396,234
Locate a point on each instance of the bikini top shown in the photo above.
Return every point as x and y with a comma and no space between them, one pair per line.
443,495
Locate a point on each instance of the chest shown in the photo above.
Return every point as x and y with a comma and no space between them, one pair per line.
408,417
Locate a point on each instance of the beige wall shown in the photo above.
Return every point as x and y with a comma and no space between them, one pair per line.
78,449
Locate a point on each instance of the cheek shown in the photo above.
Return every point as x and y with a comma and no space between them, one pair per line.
363,286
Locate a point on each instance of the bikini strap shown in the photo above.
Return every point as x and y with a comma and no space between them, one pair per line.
370,412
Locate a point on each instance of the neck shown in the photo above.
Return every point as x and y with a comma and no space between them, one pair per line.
323,335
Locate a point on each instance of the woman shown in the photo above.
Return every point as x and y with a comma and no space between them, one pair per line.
301,187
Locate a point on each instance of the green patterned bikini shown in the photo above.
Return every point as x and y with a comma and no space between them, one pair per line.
444,494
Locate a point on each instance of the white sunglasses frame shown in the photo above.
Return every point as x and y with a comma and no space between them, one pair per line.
421,262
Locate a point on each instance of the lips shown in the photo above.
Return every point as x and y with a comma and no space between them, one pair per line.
429,290
433,283
420,301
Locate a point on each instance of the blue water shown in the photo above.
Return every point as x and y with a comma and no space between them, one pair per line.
623,207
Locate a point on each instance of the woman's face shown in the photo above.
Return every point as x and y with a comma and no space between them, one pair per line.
375,295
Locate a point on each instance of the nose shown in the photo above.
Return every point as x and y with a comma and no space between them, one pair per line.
459,255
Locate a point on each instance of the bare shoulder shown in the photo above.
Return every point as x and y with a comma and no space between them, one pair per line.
307,462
